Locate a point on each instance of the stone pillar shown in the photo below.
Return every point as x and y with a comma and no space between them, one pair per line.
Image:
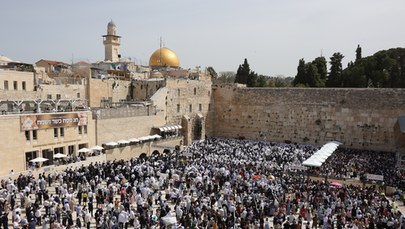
186,124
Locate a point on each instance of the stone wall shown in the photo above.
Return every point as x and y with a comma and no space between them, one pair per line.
359,118
115,89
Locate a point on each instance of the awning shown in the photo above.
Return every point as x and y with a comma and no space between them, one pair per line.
111,144
318,158
84,150
169,128
123,142
133,140
97,148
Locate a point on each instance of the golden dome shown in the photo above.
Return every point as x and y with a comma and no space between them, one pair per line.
164,57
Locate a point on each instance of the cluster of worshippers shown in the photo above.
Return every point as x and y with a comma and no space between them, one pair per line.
215,183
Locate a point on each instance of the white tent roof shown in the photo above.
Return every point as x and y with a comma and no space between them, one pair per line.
123,142
318,158
111,144
84,150
97,148
39,159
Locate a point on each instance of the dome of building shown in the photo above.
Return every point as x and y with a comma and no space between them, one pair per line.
156,74
111,24
164,57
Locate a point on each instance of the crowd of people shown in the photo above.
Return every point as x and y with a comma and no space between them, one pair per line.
216,183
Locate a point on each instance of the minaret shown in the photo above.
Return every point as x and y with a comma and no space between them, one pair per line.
112,43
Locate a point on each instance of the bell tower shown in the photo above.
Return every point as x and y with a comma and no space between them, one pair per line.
112,43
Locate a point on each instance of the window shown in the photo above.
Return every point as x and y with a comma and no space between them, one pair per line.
55,132
195,91
49,96
24,86
62,132
178,108
178,92
58,96
15,85
78,95
80,129
34,135
191,108
200,107
85,129
209,106
5,85
27,135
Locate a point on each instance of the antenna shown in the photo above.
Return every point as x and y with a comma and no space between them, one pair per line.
160,52
321,52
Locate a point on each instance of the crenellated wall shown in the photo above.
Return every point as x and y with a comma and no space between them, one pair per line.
359,118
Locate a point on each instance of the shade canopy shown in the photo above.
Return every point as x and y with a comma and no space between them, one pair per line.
84,150
39,159
123,142
97,147
59,155
170,128
133,140
318,158
111,144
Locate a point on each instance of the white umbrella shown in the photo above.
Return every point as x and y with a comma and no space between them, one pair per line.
97,148
39,159
84,150
59,155
169,219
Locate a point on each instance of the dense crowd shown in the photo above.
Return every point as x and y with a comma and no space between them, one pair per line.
216,183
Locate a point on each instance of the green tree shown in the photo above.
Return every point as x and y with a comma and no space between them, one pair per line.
243,73
300,78
335,74
211,71
320,63
358,53
261,81
225,77
311,75
252,79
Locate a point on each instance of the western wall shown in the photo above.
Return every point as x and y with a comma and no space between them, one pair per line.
359,118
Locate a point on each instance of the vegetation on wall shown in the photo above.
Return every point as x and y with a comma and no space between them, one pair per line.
384,69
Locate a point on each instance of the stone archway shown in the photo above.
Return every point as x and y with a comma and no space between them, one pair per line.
166,151
143,155
155,152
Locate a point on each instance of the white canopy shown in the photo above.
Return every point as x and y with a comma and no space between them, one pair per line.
39,159
133,140
84,150
123,142
169,128
111,144
318,158
169,219
97,147
59,155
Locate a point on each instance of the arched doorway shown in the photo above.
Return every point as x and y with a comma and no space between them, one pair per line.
166,151
155,152
197,129
143,155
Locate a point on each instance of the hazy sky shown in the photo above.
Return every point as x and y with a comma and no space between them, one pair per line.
272,34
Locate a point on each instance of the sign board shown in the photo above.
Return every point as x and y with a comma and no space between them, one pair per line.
52,120
374,177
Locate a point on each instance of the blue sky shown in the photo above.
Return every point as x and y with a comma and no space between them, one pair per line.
272,35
